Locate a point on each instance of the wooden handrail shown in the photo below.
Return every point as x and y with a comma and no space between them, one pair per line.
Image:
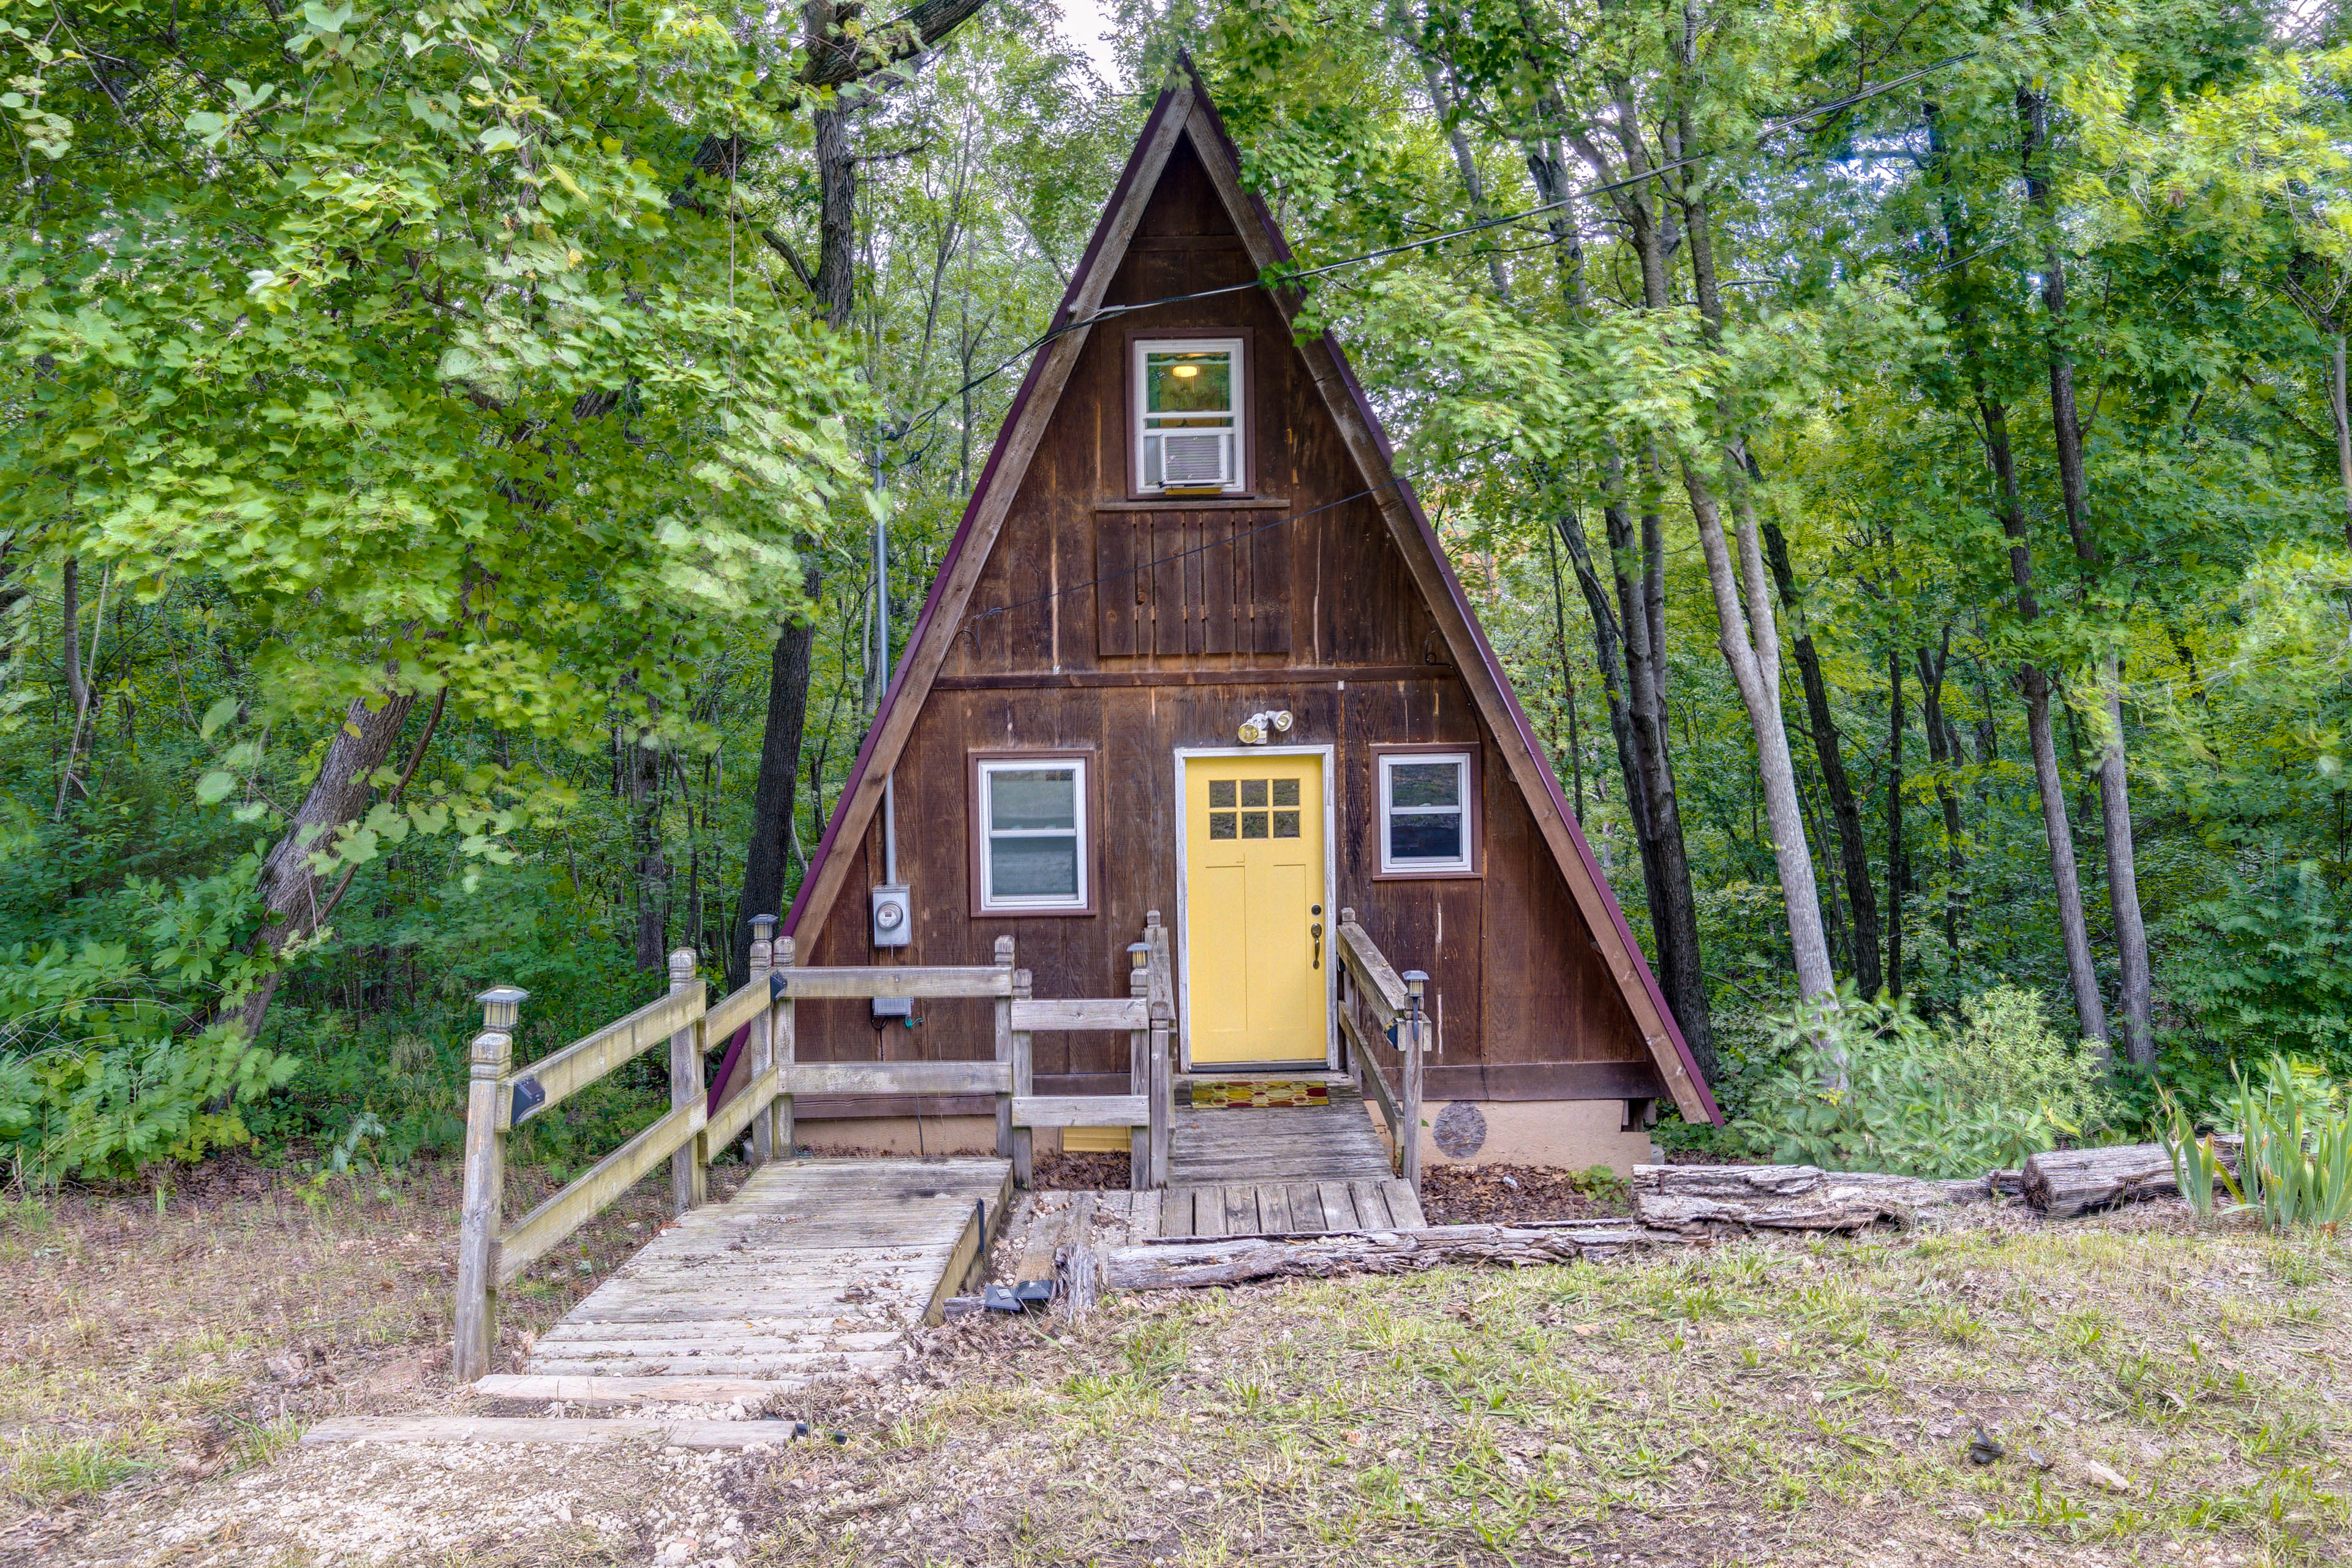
1376,986
502,1097
1386,994
554,1078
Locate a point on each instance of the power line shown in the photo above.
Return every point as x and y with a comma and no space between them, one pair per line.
1283,279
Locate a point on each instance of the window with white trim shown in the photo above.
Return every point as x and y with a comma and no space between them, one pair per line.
1033,834
1188,416
1425,816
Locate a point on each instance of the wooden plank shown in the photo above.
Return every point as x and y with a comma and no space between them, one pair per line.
1404,1204
1121,595
1176,1211
1081,1110
1082,1013
1384,992
970,1250
732,1012
550,1080
1306,1207
1371,1207
1217,595
1208,1211
546,1429
1241,1209
894,1078
712,1343
1338,1207
1143,1212
588,1196
742,1109
719,1366
811,984
1167,583
1274,1208
1269,579
594,1390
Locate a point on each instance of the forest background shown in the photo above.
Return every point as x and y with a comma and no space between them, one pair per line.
1898,449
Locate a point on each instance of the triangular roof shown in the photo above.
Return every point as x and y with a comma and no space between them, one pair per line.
1184,111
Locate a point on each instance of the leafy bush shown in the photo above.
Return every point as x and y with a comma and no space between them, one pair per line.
1869,1085
113,1053
2276,969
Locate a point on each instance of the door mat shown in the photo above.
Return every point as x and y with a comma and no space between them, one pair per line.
1229,1094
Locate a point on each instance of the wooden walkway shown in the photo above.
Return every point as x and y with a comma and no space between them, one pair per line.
815,1267
1238,1171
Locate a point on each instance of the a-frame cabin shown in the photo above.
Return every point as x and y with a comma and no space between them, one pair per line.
1191,520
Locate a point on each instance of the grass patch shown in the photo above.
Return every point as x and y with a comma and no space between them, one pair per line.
42,1470
1761,1402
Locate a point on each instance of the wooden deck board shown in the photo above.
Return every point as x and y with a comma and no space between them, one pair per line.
1288,1170
813,1267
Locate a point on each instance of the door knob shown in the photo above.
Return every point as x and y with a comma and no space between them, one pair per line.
1317,931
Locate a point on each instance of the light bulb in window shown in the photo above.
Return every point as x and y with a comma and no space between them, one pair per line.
1185,371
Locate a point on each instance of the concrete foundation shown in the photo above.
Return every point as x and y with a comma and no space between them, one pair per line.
1571,1134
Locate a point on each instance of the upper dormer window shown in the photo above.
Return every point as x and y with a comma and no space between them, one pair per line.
1188,416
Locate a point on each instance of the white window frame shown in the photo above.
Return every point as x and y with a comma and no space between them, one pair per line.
1464,862
1238,452
989,900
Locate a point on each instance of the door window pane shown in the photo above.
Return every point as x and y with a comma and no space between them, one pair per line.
1253,824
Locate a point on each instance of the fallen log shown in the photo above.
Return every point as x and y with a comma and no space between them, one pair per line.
1239,1259
2064,1183
1701,1200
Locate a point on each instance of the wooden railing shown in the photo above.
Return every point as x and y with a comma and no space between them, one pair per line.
1383,1020
502,1097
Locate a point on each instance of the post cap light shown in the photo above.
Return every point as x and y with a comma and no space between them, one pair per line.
501,1004
1138,953
1415,982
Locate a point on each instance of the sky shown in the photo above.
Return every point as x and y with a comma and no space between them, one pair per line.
1085,22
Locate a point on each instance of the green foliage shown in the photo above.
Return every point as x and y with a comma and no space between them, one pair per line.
2196,1161
2295,1165
113,1053
1869,1085
2276,973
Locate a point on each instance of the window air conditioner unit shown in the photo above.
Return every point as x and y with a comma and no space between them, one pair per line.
1192,460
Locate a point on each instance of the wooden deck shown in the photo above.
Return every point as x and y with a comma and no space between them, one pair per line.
1235,1172
815,1267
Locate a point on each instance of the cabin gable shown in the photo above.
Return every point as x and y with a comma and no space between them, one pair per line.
1081,617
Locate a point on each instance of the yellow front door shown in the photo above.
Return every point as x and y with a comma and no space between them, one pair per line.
1257,931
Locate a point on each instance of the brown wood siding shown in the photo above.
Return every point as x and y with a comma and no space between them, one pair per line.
1096,625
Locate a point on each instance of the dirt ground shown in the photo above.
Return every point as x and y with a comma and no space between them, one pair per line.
2158,1396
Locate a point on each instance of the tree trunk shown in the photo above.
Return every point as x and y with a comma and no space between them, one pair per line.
2064,1183
1634,639
1944,753
1194,1265
1845,811
290,885
1566,670
1896,874
2066,887
2066,430
1751,645
789,662
641,773
1701,1200
772,792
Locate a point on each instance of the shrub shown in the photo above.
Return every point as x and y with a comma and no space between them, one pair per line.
113,1052
1869,1085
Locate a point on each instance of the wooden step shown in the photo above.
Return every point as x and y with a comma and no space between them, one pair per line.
591,1390
547,1429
